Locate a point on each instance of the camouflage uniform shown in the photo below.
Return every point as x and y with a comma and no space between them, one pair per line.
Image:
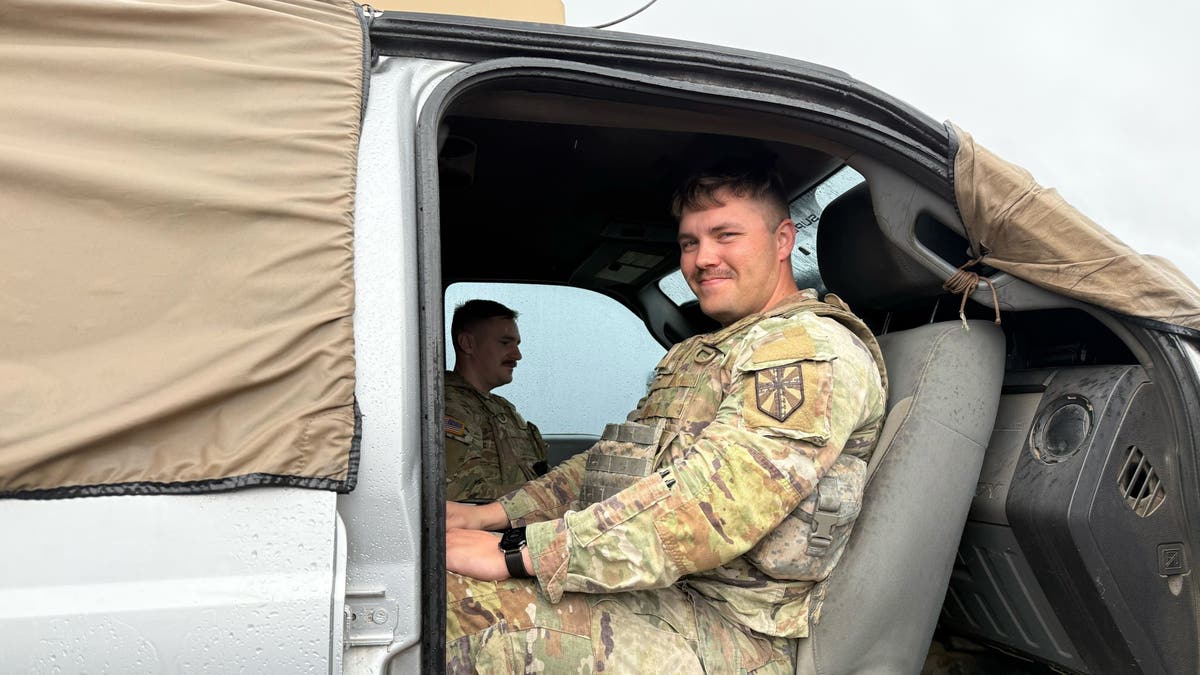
713,560
490,448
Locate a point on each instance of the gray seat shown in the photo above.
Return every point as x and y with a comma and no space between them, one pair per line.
882,600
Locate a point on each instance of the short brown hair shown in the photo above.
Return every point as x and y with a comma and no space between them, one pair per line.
741,178
472,312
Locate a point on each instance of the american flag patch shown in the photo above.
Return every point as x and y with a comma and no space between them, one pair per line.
454,427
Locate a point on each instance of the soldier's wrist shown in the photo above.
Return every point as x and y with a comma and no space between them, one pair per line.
516,555
492,516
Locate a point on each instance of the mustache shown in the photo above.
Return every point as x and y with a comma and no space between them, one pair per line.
704,275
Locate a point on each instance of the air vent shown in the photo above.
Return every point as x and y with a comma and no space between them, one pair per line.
1139,483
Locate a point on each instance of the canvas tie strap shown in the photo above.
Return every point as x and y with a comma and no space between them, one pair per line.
965,282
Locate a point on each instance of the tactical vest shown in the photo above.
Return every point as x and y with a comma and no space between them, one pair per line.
518,441
690,383
520,450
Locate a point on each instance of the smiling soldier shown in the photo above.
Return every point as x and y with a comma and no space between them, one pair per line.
490,448
694,537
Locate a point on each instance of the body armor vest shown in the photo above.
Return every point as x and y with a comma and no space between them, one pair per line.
518,441
689,385
495,426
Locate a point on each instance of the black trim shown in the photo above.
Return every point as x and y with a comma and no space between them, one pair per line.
1180,382
470,39
430,323
952,143
785,84
211,485
355,451
1009,389
1161,326
182,487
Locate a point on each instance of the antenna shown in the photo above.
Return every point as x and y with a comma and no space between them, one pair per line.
630,15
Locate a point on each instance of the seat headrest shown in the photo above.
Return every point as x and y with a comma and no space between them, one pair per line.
860,264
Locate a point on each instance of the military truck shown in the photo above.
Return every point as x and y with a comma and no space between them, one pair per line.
228,230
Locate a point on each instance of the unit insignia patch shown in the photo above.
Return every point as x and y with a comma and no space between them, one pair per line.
779,391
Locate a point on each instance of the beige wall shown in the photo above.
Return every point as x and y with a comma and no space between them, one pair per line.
541,11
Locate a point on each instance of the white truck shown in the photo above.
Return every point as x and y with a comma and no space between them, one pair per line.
226,234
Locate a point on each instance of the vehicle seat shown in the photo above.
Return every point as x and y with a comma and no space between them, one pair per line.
881,602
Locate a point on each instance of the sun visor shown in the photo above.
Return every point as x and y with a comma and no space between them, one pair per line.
176,281
1032,233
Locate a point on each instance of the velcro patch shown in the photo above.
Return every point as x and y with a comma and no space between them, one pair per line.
454,427
788,344
790,400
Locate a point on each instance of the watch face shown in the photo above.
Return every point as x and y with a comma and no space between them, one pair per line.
513,539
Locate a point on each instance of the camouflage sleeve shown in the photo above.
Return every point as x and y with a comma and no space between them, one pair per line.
547,497
470,472
799,389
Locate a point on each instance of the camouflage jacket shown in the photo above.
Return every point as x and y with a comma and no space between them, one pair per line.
490,448
756,414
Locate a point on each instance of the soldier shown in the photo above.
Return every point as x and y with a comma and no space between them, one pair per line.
695,536
490,448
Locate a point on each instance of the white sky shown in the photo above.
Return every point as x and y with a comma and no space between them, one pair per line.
1098,99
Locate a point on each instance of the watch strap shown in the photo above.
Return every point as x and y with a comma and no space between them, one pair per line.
515,562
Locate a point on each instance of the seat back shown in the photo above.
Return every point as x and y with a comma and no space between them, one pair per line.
882,600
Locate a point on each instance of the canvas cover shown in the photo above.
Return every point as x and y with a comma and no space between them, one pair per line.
176,203
1032,233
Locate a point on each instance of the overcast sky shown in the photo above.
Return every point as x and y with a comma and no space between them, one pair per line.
1098,99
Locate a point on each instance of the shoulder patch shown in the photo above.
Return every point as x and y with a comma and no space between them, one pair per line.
787,378
779,391
782,341
454,427
788,345
793,400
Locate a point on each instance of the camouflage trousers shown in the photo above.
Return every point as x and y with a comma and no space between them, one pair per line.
510,627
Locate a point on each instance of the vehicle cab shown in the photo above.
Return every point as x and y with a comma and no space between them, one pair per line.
439,159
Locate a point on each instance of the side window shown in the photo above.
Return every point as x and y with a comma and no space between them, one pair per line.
806,213
586,359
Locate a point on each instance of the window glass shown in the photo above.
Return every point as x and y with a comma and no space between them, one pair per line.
806,213
586,358
675,288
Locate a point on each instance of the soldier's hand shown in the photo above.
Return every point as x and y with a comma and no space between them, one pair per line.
470,517
475,554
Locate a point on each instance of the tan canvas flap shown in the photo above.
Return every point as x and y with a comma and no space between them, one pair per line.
176,282
1032,233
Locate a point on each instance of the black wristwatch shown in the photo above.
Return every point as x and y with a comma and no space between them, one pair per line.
511,544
